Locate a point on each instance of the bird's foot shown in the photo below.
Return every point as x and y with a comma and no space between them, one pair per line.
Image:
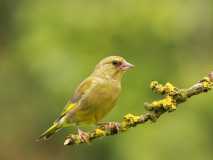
84,136
114,127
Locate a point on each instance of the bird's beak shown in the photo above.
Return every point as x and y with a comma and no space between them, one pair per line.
126,66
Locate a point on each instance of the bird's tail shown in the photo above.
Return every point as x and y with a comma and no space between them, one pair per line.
49,132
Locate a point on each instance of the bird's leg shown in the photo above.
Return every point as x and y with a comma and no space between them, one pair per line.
84,136
112,126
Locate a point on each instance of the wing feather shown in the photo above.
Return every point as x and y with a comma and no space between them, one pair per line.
84,88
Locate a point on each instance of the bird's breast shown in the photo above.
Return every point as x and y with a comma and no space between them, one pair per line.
104,94
101,100
106,98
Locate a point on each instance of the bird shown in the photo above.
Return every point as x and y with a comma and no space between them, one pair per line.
94,98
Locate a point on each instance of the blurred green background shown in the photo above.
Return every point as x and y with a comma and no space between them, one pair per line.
48,47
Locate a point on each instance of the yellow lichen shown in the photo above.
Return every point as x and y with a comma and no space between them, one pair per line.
167,103
100,132
169,88
156,103
173,107
205,84
156,86
130,118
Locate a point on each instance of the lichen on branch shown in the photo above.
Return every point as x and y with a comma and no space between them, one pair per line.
172,97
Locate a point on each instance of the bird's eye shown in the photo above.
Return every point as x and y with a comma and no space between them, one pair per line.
115,63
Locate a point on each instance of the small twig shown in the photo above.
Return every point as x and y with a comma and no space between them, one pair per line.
173,96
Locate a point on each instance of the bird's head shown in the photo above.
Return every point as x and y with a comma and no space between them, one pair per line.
112,67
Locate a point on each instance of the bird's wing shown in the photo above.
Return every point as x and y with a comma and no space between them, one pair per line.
84,88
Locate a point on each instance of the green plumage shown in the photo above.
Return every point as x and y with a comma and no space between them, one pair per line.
94,97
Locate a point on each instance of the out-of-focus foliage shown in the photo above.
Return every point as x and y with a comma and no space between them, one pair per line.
48,47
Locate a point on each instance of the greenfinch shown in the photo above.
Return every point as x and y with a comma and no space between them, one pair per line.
94,97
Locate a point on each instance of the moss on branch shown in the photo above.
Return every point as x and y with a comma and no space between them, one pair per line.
172,97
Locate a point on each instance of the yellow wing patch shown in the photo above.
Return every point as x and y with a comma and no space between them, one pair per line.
68,108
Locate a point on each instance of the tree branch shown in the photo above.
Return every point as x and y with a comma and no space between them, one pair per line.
173,96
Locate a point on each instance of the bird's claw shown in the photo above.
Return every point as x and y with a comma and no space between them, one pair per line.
84,136
114,127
